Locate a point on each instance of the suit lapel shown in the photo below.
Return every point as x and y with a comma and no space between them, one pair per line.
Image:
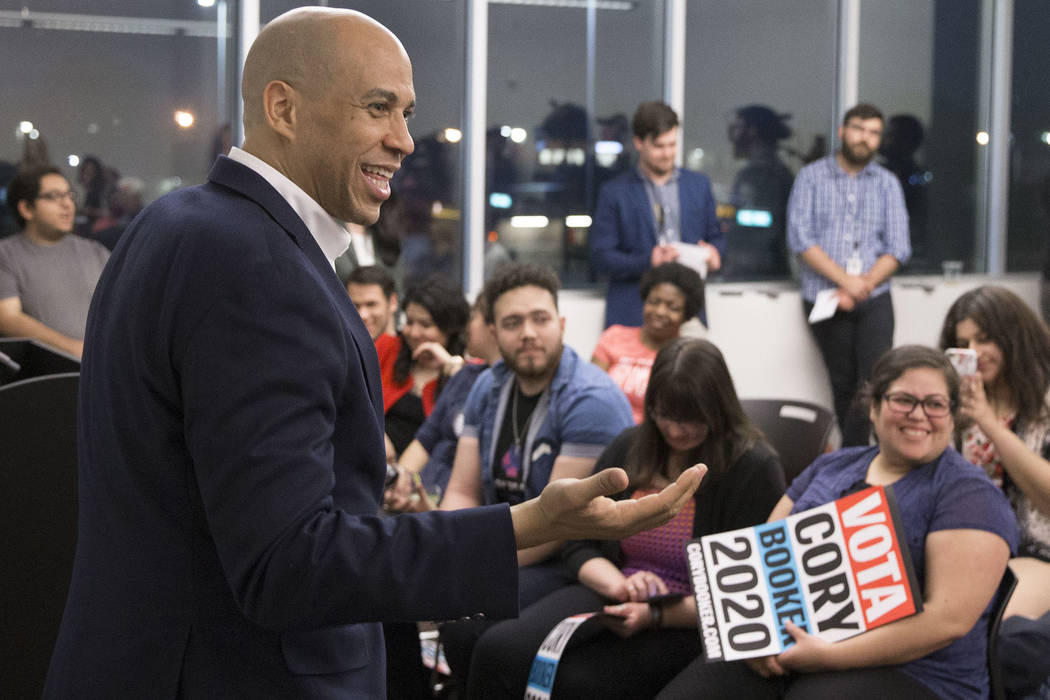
240,178
641,202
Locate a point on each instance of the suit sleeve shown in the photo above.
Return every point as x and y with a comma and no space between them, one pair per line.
262,377
608,254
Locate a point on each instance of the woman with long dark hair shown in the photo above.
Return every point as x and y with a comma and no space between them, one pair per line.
692,414
416,362
1005,429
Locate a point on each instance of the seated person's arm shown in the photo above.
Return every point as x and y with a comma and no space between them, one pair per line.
16,323
464,485
564,467
405,495
963,569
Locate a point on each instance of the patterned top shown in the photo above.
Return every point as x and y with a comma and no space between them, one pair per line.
662,549
1033,523
862,215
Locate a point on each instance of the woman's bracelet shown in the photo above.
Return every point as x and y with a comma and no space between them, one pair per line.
656,616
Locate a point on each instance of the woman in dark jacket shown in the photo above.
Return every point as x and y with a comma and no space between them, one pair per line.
692,414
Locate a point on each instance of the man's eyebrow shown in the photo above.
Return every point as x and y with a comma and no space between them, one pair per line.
386,95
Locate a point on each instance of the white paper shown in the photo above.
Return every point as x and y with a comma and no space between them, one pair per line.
824,305
694,256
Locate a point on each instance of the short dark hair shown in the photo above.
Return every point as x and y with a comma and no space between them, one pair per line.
690,381
864,110
514,275
374,274
1006,320
899,360
685,278
25,186
653,119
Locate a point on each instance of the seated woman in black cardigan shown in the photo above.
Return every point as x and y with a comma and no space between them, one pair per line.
692,415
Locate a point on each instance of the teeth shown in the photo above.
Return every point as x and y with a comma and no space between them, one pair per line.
376,170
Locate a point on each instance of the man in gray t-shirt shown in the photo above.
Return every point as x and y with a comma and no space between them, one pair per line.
47,275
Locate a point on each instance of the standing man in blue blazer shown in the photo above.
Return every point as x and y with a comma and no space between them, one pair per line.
642,213
231,456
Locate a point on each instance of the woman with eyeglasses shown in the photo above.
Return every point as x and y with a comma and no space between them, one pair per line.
1006,430
959,532
692,415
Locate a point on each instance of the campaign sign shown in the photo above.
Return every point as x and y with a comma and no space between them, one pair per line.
835,571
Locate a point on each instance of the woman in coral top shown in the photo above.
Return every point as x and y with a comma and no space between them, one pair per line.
415,363
671,295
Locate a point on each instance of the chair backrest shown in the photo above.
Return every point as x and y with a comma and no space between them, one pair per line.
1002,597
797,430
38,519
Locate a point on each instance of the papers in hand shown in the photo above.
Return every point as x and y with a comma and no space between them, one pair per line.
824,305
694,256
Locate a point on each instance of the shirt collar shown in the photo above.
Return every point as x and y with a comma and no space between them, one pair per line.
646,178
837,170
330,233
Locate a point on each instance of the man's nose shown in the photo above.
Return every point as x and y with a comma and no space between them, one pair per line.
399,138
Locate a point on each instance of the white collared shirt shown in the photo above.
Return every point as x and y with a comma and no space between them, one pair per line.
331,235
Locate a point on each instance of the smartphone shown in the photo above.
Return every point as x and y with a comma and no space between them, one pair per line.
964,360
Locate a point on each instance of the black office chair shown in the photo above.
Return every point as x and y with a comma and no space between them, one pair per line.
38,519
797,430
1002,597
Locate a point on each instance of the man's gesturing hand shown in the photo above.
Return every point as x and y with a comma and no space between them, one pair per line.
570,509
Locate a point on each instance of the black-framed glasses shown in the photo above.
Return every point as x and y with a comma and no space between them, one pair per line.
71,195
933,406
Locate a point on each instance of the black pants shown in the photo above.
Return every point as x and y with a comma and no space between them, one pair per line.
850,343
1024,654
534,582
737,680
595,664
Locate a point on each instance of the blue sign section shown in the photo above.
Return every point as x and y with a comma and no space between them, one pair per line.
782,580
758,218
541,676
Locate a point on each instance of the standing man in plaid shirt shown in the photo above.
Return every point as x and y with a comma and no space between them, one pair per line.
848,225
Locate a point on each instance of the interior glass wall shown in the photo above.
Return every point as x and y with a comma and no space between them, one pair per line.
919,63
759,88
562,85
1029,214
114,89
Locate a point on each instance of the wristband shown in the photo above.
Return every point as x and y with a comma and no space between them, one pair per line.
656,616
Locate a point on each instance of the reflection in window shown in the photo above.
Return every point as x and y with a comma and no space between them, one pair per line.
759,82
548,150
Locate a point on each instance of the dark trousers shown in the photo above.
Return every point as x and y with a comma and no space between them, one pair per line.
1024,654
702,680
850,342
596,663
458,638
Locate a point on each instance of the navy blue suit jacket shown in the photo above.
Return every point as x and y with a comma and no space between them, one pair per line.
623,235
231,463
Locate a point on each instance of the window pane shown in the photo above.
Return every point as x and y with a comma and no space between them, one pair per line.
422,221
759,85
919,65
1029,221
542,131
111,89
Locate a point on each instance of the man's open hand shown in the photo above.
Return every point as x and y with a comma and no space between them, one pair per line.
572,509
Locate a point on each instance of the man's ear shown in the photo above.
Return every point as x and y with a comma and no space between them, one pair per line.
26,210
394,305
280,103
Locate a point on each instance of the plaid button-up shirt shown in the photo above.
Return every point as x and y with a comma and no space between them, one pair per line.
862,215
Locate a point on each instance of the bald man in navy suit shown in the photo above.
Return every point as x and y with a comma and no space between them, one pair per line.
231,424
